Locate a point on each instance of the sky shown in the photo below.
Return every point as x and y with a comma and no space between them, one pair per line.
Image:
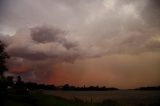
112,43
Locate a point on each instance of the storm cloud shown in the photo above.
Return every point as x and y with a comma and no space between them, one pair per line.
43,35
39,48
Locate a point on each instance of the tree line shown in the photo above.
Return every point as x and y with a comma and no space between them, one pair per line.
8,82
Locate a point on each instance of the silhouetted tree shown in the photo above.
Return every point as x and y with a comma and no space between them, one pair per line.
66,87
3,82
10,82
19,82
3,57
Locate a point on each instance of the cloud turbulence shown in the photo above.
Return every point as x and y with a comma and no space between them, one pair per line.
83,42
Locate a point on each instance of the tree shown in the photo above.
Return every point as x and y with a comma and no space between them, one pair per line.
19,83
3,83
3,59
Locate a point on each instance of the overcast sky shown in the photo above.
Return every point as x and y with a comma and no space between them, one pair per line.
83,42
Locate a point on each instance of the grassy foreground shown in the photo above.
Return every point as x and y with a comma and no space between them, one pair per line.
40,99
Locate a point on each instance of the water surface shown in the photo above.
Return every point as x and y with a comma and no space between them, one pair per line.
121,96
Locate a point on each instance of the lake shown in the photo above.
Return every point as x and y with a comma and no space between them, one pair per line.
128,97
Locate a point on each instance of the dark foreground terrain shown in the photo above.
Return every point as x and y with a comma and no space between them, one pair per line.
40,98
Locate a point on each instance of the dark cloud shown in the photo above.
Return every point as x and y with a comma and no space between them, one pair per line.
101,27
2,8
1,4
38,49
151,13
41,43
46,34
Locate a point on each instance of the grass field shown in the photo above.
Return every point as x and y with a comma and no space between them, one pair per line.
41,99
